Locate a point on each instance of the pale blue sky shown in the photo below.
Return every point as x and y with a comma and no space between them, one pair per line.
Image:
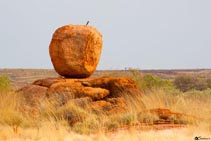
144,34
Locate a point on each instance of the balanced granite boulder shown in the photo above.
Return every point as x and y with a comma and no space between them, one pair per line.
75,50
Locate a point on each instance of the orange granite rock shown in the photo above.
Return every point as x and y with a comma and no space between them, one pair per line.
118,87
75,50
33,94
73,89
107,94
109,106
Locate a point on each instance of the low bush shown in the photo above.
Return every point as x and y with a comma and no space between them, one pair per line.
149,81
186,83
4,83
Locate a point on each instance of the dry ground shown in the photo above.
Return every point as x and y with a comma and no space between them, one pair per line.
49,133
193,103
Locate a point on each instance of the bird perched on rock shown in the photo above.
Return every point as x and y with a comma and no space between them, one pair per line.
87,22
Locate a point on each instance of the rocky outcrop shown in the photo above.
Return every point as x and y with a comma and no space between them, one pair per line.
164,116
75,50
106,94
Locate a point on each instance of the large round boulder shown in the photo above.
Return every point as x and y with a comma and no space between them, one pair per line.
75,50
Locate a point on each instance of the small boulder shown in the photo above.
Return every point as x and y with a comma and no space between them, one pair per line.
33,94
81,102
108,106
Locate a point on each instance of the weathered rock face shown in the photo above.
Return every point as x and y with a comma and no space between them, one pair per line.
74,89
34,94
100,91
118,86
75,50
109,106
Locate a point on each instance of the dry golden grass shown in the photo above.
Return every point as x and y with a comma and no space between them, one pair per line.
17,124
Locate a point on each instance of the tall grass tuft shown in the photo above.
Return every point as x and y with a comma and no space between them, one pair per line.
11,110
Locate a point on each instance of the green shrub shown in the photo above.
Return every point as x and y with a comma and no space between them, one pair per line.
149,81
186,83
4,83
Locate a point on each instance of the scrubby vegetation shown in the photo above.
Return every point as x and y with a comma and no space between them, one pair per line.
4,83
186,83
184,95
183,83
149,81
209,83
